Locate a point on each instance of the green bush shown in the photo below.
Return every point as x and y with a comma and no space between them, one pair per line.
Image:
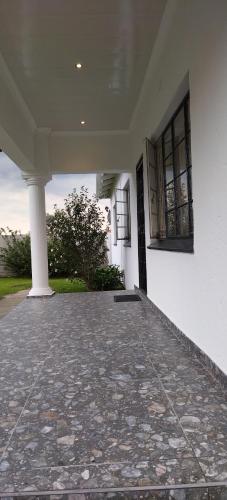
108,278
77,237
16,256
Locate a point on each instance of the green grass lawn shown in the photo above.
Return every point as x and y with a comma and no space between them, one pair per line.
60,285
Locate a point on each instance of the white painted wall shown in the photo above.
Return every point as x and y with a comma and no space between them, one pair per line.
190,289
126,257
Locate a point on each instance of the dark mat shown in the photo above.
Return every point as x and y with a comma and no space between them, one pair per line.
126,298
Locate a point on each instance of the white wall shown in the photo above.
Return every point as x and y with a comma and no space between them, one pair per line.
191,288
126,257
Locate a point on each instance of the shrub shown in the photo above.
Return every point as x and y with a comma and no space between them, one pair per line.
61,259
16,256
77,237
108,278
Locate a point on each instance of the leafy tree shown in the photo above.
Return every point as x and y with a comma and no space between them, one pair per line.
76,236
16,255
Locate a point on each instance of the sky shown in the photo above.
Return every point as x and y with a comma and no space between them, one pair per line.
14,194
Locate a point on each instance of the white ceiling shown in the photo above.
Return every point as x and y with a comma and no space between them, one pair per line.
41,40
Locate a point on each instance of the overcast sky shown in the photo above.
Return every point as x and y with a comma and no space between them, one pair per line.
14,196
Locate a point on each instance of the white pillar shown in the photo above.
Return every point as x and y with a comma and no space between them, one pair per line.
37,215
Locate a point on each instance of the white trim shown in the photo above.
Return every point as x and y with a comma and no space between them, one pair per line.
11,84
36,180
91,133
163,32
40,292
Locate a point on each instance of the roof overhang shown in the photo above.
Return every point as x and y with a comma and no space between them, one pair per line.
104,185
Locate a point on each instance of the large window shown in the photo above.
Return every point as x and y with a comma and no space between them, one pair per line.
170,183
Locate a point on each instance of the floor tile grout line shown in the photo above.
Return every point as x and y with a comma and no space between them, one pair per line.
56,337
25,404
174,411
71,466
189,352
141,338
101,464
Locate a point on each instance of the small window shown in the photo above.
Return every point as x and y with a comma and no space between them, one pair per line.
123,219
173,219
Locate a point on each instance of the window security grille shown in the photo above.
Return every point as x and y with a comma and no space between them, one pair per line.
122,214
169,178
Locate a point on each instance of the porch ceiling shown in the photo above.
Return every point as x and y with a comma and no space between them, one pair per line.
104,185
42,40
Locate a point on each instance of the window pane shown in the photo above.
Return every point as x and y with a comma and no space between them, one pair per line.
171,224
180,158
179,127
190,184
173,154
168,142
188,114
170,196
189,158
159,151
183,220
182,189
169,169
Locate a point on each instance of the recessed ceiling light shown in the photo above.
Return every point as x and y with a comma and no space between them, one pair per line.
82,122
78,65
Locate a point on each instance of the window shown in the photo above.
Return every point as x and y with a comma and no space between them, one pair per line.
170,184
122,213
114,224
128,223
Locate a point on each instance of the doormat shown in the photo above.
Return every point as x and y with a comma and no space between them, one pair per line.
126,298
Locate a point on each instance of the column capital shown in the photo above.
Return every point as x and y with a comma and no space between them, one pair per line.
36,180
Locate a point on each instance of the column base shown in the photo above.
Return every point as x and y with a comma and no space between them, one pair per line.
40,292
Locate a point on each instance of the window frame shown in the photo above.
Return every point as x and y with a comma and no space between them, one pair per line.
178,241
124,214
127,189
114,224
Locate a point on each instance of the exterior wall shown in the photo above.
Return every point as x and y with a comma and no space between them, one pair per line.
126,257
189,288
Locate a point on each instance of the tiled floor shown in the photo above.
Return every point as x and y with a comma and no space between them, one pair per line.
98,394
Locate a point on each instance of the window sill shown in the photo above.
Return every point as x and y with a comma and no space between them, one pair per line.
184,245
127,244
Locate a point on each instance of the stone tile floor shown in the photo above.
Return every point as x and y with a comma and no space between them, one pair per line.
95,395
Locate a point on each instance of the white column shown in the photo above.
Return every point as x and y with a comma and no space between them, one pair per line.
37,215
